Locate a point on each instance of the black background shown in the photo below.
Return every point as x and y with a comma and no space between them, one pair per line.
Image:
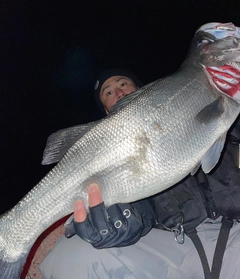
51,51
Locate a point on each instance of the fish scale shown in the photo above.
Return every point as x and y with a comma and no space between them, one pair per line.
153,138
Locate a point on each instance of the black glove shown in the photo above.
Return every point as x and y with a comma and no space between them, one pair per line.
117,226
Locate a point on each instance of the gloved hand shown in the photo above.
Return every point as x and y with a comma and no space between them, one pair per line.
117,226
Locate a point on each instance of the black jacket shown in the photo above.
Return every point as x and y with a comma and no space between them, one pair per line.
200,196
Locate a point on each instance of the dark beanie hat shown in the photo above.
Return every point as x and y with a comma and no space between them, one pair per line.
103,76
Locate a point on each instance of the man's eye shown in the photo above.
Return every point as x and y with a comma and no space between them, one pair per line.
123,84
108,93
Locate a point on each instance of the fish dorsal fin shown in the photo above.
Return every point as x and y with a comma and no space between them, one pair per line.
211,111
58,143
128,98
212,156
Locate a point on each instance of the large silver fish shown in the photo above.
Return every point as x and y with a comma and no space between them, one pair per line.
151,141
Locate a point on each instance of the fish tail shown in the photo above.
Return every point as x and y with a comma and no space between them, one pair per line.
11,270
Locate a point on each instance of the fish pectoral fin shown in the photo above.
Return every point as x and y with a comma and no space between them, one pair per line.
69,231
212,156
58,143
211,111
195,169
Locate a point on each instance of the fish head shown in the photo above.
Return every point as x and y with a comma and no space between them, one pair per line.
215,52
215,44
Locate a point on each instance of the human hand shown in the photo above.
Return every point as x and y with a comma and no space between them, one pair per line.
94,198
117,226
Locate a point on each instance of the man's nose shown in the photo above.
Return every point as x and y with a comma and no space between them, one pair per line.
120,93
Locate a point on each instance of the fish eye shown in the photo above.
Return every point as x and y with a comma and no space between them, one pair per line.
205,41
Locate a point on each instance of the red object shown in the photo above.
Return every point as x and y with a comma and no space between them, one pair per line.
38,243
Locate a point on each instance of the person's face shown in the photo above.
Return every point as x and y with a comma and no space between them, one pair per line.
115,88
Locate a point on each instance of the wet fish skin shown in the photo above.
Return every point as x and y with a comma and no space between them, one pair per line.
146,146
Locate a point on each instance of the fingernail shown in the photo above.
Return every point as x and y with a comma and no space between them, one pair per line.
79,205
93,188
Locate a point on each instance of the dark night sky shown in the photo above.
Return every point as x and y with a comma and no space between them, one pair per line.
51,51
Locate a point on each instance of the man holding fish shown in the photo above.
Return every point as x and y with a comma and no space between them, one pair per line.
164,219
164,214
